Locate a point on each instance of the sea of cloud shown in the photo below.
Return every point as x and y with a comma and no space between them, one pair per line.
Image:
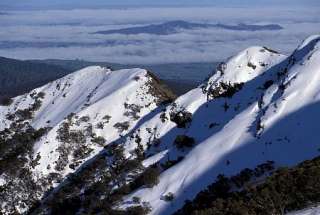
68,34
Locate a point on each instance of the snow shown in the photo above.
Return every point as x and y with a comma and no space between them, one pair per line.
94,92
238,68
308,211
237,138
303,80
2,181
187,176
154,159
109,92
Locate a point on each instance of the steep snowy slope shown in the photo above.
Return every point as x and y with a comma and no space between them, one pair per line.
111,109
259,106
69,121
228,78
309,211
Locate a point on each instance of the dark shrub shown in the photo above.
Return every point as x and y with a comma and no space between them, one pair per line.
41,95
150,177
168,197
163,117
99,140
66,206
106,118
24,114
230,89
181,118
270,50
156,142
171,163
36,105
212,125
252,65
267,84
122,126
222,67
136,78
77,137
137,210
226,106
84,119
131,165
136,200
224,90
182,141
285,190
263,64
100,125
132,110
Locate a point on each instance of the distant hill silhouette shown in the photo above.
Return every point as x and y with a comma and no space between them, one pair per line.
177,26
18,77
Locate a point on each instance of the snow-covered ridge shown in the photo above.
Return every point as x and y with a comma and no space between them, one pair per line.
107,105
54,107
84,112
247,65
270,116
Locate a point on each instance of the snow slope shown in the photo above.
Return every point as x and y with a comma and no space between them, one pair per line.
104,98
270,116
308,211
84,112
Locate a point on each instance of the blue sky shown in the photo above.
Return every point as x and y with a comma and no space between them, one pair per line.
12,4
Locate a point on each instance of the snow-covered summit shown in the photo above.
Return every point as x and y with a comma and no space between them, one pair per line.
246,65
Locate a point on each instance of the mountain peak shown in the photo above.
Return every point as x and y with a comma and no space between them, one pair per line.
89,71
250,63
244,66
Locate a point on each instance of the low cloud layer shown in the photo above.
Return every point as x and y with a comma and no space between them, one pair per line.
67,34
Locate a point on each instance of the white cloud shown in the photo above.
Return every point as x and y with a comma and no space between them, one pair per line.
67,34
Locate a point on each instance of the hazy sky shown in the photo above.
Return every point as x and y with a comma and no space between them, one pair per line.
12,4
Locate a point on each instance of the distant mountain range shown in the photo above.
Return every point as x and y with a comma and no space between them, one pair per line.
18,77
173,27
183,72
